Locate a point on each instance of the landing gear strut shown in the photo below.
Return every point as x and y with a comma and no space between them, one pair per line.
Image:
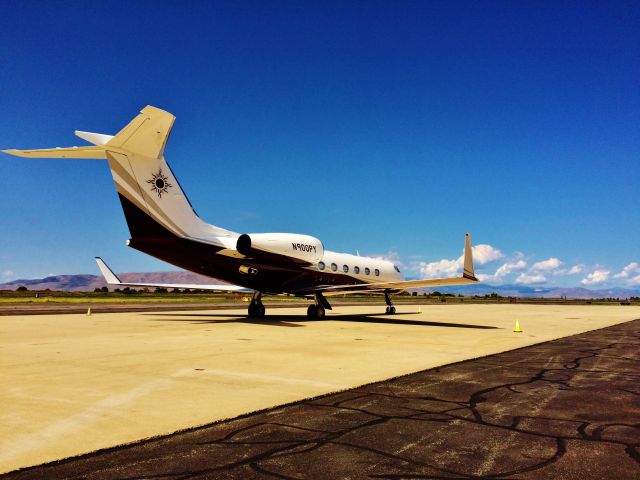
316,311
256,308
391,310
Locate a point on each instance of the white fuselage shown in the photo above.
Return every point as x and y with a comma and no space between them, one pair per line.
367,269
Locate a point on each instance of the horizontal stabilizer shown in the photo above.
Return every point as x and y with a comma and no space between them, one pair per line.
68,152
112,279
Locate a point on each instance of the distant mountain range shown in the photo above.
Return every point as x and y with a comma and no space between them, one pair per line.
87,283
540,292
78,283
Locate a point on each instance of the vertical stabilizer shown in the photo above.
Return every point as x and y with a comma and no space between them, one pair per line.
146,135
152,199
151,196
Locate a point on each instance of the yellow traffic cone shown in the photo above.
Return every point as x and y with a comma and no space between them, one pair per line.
517,329
89,312
419,308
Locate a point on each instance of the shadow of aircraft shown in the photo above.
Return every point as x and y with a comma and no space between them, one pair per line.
295,320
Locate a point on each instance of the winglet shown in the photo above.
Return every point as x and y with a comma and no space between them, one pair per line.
468,259
108,275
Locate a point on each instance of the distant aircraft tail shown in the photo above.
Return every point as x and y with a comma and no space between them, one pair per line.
152,199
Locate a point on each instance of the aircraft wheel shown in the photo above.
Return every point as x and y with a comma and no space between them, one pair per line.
320,312
392,310
256,310
386,312
312,311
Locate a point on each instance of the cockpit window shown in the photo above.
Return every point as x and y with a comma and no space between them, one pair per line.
334,267
397,269
377,272
345,268
367,271
321,265
356,270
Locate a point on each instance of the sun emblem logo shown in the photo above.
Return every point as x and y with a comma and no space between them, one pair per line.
159,183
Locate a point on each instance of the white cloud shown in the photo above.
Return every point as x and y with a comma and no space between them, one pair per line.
632,268
8,273
509,267
483,277
546,265
525,279
502,271
442,268
482,254
634,281
596,277
576,269
393,257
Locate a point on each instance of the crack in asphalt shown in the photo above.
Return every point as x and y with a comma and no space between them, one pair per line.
427,425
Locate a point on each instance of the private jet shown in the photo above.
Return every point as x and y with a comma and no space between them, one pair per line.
162,223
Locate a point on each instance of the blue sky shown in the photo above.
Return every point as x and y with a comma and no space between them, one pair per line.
388,127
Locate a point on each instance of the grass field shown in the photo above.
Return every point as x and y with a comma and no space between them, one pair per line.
44,297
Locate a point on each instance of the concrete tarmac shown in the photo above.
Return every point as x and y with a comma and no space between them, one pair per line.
565,409
72,384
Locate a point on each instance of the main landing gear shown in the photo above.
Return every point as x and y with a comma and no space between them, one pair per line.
256,308
316,311
391,310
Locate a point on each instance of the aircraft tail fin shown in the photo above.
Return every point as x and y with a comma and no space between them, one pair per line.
153,201
146,135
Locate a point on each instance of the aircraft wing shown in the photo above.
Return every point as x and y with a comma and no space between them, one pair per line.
468,277
381,287
112,279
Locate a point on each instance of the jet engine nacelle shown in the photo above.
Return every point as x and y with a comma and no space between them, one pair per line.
302,247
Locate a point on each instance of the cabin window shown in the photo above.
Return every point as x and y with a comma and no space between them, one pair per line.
345,268
356,270
334,267
397,269
367,271
377,272
321,265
